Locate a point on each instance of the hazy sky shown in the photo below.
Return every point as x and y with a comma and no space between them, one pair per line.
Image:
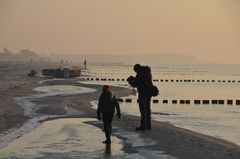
206,29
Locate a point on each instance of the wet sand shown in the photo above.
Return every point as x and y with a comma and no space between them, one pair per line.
172,140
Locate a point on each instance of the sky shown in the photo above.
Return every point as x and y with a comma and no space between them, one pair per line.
208,30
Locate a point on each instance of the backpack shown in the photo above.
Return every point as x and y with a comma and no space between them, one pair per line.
154,91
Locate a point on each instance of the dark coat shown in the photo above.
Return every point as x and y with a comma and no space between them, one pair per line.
143,82
107,104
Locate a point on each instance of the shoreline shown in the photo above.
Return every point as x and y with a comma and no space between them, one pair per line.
175,141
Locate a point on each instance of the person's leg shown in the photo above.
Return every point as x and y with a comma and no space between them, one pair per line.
149,126
105,124
107,118
110,123
142,108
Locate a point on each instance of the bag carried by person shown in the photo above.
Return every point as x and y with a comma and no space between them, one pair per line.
154,91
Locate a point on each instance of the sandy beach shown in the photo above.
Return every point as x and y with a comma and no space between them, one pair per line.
171,140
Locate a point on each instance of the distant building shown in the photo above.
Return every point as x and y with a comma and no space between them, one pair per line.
26,52
23,55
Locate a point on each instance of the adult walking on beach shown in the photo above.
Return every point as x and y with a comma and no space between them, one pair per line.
106,106
143,82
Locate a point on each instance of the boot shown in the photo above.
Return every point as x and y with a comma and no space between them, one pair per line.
108,141
140,128
108,136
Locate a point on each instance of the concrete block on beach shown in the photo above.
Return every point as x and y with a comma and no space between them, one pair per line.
120,100
214,101
165,101
128,100
155,101
237,102
221,102
182,102
174,101
197,101
205,101
229,102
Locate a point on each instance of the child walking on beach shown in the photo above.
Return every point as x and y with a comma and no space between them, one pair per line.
106,106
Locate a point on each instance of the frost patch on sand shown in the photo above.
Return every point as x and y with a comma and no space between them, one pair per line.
111,83
55,90
51,80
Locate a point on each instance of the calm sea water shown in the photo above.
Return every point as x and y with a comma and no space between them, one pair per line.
220,121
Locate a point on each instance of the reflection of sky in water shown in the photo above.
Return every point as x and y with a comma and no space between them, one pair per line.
74,138
54,90
216,120
69,137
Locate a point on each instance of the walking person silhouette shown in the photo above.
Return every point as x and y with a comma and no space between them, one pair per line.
106,106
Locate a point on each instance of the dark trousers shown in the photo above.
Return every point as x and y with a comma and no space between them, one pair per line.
107,123
145,110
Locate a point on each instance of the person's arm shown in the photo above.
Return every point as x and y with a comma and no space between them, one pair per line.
100,106
131,81
134,81
117,107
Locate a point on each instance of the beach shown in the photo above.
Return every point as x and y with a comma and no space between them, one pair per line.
164,140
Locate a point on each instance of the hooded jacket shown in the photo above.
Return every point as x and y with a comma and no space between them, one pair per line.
143,82
107,104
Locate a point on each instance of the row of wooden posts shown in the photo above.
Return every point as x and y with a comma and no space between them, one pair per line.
104,79
196,102
167,80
